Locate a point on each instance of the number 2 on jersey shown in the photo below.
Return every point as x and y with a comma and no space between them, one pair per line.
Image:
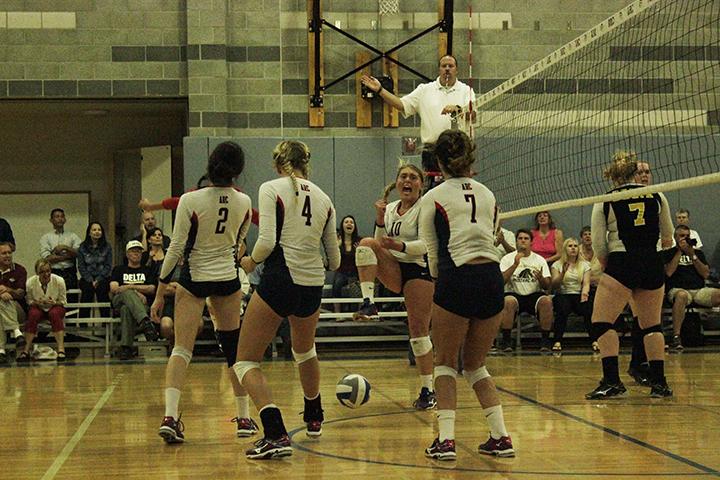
469,197
223,214
307,211
639,207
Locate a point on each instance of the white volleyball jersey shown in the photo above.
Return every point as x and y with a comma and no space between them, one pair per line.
210,223
404,228
458,220
293,226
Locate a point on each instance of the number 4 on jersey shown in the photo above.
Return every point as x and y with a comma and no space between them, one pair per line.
307,211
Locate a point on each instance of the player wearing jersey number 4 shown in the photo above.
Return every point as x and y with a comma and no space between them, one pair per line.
296,218
458,220
624,236
396,256
210,226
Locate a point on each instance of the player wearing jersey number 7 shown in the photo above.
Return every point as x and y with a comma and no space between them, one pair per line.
458,220
624,236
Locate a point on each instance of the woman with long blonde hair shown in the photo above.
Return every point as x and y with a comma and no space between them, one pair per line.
624,236
296,219
396,257
571,280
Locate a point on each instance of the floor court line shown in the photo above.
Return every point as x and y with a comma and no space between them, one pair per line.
704,470
80,432
615,433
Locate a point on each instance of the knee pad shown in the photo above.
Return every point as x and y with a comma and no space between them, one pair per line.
421,346
654,329
365,256
476,375
228,340
183,353
242,367
442,370
600,328
304,357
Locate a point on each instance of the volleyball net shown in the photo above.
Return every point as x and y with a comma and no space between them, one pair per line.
646,79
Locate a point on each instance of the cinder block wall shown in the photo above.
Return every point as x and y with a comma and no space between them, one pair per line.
242,64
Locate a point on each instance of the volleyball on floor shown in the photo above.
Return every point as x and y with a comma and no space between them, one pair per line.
353,390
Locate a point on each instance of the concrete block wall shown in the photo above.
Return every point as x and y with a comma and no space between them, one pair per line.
242,64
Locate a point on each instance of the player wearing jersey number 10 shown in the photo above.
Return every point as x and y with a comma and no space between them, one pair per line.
458,220
296,218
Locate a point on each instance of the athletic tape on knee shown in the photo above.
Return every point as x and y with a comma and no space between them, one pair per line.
476,375
304,357
600,328
242,367
365,256
421,346
183,353
654,329
442,370
228,344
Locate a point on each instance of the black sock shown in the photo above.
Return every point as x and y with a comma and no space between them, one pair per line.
545,334
272,422
506,334
610,369
638,355
657,372
313,410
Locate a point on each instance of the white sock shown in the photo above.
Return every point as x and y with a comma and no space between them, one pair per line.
427,381
17,333
446,424
242,404
172,399
496,421
368,290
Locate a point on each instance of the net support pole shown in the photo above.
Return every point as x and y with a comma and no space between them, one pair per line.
469,120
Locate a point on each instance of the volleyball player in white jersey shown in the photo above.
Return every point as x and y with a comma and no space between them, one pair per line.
625,235
296,218
396,256
458,220
210,226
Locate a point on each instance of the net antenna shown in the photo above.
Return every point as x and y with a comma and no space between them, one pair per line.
643,80
388,7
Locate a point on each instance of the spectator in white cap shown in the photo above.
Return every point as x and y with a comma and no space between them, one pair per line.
132,289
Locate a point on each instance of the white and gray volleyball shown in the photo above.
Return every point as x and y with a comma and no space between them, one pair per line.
353,390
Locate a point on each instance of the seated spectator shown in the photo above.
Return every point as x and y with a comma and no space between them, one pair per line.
94,264
60,249
504,241
571,280
154,251
526,276
132,288
596,270
682,217
686,269
6,233
12,291
547,239
46,298
348,240
147,225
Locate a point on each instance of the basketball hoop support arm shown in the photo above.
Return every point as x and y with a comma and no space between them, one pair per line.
316,23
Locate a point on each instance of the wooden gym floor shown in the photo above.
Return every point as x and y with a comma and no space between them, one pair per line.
100,420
